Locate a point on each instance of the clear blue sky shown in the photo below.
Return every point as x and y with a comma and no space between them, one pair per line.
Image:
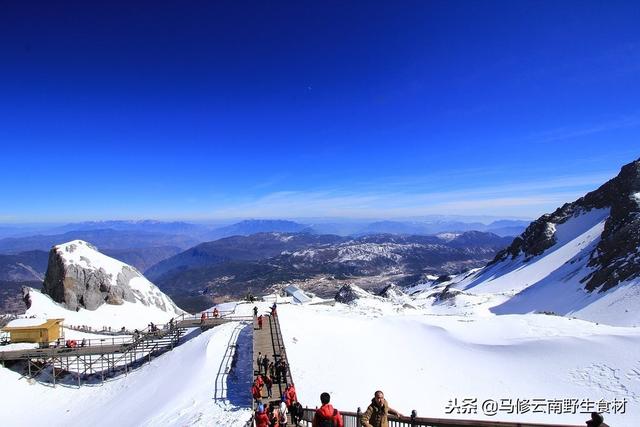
214,109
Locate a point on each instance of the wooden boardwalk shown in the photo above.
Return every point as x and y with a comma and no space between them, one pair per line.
113,345
268,341
107,356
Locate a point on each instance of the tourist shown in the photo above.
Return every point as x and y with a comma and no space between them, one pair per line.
378,411
327,415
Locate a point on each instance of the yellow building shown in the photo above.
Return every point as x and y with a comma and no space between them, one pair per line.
34,330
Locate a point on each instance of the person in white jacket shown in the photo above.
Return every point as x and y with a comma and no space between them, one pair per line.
283,412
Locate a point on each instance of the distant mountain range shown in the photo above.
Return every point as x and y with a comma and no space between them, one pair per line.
148,226
158,247
147,233
102,238
238,248
248,227
25,266
233,266
501,228
32,265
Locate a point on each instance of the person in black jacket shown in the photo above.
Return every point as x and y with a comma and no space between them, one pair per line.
596,420
296,412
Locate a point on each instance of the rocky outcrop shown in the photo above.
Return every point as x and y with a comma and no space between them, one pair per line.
392,291
26,298
447,294
77,286
616,257
348,294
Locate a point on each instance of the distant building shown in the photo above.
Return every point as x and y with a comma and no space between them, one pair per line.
34,330
298,295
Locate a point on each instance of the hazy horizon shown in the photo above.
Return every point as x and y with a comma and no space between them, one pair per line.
302,220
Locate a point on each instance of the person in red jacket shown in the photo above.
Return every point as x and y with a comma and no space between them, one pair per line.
262,419
290,395
327,415
256,392
259,322
259,381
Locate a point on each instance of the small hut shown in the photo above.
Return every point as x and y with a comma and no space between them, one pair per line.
34,330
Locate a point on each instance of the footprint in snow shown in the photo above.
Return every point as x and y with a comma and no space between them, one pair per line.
603,378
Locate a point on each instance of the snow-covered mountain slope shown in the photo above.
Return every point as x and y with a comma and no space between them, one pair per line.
582,260
576,238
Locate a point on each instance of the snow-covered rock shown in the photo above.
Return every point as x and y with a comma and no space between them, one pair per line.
85,287
349,293
78,276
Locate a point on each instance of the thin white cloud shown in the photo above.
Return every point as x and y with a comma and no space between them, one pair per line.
528,199
559,134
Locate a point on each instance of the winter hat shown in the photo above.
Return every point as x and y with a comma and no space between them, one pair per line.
261,408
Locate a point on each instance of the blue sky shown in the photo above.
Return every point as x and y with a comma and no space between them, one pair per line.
197,110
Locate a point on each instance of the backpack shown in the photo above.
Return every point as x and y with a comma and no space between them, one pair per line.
328,422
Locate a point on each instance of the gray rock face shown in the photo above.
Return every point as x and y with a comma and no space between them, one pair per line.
617,256
347,295
445,295
77,287
26,298
390,291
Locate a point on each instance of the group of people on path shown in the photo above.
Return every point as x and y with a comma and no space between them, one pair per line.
261,317
275,415
376,415
277,370
204,316
273,310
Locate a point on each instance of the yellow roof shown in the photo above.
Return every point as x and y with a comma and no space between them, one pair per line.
46,325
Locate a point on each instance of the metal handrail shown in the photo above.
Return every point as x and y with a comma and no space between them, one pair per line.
157,334
352,419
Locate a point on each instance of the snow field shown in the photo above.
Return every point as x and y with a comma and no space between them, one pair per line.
423,361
